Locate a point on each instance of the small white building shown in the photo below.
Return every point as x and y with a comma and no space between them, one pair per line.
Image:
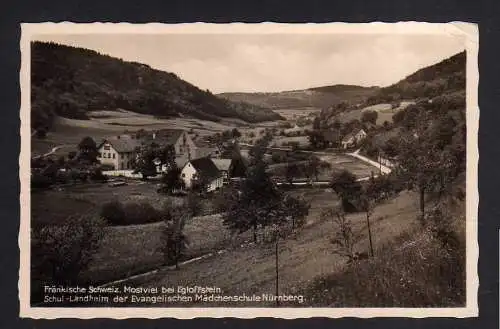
202,169
353,138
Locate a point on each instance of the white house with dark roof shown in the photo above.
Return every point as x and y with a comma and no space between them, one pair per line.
353,138
119,151
202,169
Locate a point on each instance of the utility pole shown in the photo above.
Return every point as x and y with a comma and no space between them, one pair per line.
380,161
277,270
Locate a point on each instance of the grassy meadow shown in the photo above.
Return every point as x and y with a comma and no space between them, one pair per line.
308,255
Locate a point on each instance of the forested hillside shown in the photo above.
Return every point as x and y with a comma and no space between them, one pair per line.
70,82
445,76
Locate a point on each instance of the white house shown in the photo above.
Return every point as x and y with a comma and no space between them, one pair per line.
353,138
119,151
202,169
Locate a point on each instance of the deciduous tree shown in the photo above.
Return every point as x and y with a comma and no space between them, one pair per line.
174,240
347,188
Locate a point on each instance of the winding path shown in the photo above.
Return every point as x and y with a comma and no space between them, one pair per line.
383,169
52,151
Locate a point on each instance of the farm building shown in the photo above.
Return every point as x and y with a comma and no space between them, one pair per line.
119,151
180,139
354,138
202,171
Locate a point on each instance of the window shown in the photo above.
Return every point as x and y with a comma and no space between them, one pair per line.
106,147
183,175
113,155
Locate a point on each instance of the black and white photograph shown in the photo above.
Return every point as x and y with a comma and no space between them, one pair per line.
288,170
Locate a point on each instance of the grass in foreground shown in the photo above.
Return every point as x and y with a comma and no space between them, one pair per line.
418,274
251,269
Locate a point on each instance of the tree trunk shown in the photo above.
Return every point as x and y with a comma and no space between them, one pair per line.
255,233
277,272
369,232
422,202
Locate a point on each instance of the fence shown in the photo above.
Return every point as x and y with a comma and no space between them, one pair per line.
123,173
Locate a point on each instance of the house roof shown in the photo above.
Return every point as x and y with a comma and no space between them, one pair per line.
347,137
203,152
351,135
122,143
222,164
206,167
163,136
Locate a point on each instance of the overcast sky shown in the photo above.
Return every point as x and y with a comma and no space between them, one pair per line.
249,63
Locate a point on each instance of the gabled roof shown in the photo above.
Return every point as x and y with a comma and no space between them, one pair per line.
347,137
222,164
351,135
206,167
163,136
122,143
203,152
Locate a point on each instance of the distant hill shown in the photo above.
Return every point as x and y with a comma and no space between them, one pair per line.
444,78
318,97
70,82
437,112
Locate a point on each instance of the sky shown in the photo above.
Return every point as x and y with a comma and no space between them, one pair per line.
274,62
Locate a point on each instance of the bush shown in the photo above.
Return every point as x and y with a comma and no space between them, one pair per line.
113,213
59,253
140,213
419,273
97,175
132,213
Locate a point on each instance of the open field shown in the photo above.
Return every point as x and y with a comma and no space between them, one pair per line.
384,110
296,113
340,162
125,249
251,269
53,206
128,250
283,140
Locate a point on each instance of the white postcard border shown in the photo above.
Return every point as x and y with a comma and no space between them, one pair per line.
467,30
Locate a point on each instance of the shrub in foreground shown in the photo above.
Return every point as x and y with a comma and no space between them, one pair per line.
59,253
418,274
131,213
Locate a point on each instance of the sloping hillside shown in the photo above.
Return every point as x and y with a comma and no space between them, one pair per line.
69,82
445,77
319,97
